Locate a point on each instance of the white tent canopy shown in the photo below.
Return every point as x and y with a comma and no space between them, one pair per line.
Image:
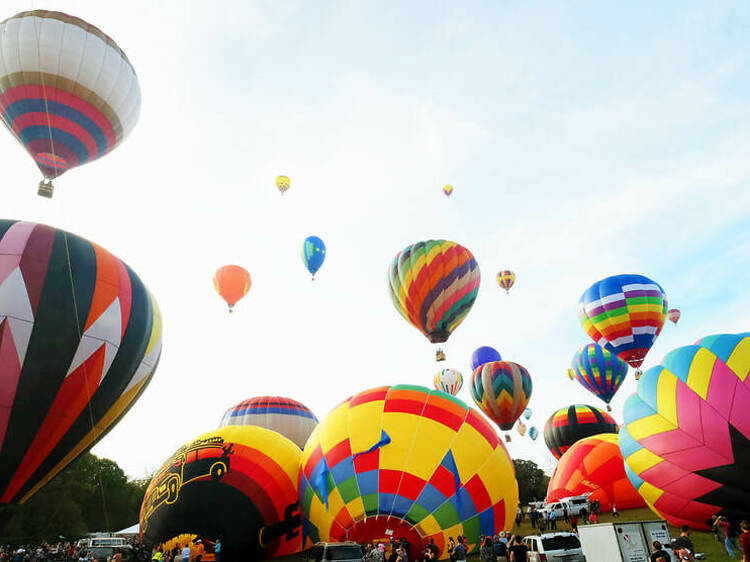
134,530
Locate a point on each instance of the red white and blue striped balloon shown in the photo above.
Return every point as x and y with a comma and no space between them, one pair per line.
68,93
292,419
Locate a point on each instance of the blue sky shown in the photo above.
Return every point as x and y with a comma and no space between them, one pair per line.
583,140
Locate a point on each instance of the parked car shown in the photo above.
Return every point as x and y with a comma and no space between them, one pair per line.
102,548
554,547
567,506
339,551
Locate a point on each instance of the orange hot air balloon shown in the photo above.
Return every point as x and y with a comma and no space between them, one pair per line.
232,282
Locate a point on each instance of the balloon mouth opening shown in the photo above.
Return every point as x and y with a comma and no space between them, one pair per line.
50,164
438,337
634,357
382,528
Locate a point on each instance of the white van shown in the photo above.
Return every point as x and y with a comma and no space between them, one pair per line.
102,548
568,506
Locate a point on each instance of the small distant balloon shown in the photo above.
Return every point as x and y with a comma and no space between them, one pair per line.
674,315
313,254
521,428
448,189
527,413
232,282
571,374
484,354
283,183
533,433
506,279
448,380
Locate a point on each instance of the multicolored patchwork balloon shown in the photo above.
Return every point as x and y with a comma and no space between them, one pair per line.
417,462
506,279
502,389
433,285
80,338
292,419
624,314
237,483
599,371
313,254
686,435
448,380
572,423
232,282
68,93
594,466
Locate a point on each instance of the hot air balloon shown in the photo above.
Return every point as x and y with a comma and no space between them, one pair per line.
573,423
571,374
290,418
433,285
521,428
599,371
527,413
67,92
594,466
283,183
674,315
80,338
506,279
686,434
313,254
624,314
232,282
448,189
418,462
448,380
533,433
502,390
482,355
238,483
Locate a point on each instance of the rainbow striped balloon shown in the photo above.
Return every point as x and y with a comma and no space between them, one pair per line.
433,285
624,314
414,461
502,390
686,436
292,419
448,380
599,371
572,423
68,93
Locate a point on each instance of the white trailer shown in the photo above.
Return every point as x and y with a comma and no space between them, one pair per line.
629,541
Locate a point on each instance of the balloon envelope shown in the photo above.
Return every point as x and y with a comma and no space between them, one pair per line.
448,189
674,315
527,413
573,423
482,355
506,279
232,282
68,93
405,458
599,371
624,314
238,483
290,418
433,285
533,433
313,253
594,465
283,183
448,380
686,432
80,338
501,389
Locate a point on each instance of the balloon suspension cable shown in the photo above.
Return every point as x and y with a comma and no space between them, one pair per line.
45,189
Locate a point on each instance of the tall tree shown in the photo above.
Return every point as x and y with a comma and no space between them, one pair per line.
532,482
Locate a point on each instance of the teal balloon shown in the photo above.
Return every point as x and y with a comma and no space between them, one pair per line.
313,254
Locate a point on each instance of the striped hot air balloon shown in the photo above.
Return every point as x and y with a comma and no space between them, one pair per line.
68,93
418,462
502,390
80,338
599,371
292,419
624,314
686,432
572,423
448,380
433,285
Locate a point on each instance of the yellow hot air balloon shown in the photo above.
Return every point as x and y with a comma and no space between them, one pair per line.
448,189
506,279
283,183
